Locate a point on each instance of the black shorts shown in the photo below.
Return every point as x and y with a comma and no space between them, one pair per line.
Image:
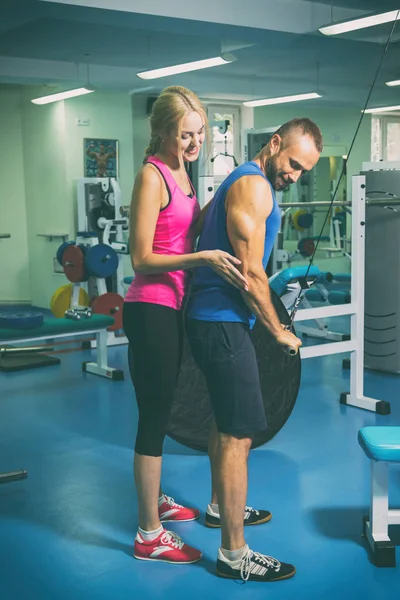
225,354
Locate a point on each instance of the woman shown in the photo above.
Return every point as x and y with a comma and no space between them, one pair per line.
163,215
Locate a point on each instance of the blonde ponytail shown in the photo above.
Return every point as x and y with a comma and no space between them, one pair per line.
153,147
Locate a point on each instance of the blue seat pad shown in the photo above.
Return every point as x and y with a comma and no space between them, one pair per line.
380,443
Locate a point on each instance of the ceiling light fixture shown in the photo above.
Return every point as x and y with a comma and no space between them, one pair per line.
363,22
282,100
381,109
393,83
63,95
187,67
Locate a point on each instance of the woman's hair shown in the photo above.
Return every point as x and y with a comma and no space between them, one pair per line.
167,113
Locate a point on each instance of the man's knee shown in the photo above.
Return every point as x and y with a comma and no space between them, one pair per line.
238,444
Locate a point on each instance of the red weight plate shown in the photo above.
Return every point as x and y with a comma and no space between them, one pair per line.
306,247
110,304
73,263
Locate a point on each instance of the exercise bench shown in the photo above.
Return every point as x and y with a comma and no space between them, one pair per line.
382,446
59,328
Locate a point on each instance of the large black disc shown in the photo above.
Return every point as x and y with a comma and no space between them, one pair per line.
191,414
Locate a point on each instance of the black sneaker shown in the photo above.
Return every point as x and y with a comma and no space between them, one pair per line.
251,517
254,566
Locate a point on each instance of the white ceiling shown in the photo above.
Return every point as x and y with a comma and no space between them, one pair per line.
277,46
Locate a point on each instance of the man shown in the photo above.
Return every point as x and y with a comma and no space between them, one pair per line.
102,157
243,219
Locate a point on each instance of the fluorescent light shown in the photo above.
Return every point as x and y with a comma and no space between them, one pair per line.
381,109
361,23
282,100
186,67
63,95
393,83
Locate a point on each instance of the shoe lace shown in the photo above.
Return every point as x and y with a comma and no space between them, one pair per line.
264,560
249,509
169,538
172,502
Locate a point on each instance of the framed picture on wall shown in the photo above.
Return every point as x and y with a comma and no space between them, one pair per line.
100,157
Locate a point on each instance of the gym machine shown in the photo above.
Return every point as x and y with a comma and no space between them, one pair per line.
382,260
91,262
366,272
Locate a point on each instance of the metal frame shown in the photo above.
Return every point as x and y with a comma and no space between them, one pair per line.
380,516
13,476
97,368
106,182
355,309
112,339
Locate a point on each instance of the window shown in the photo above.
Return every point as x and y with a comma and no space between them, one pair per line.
385,138
393,141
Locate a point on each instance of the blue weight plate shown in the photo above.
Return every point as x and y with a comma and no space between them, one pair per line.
101,261
21,320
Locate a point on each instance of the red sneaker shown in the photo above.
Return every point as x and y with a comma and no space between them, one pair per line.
168,547
171,511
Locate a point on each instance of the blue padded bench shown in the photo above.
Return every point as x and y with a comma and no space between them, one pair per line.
58,328
382,446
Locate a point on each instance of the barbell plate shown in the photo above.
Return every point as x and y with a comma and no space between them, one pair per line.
109,304
74,264
62,297
101,261
60,251
306,247
295,219
191,414
21,320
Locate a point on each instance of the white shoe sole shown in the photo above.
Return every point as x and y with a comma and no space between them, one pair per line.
171,562
179,520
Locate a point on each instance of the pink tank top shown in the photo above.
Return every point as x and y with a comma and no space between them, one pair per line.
173,235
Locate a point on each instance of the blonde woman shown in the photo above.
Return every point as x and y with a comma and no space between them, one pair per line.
163,216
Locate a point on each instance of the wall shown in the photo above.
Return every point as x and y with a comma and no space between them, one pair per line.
14,271
53,160
338,126
141,130
47,203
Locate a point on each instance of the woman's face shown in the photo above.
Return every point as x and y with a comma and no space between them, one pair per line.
191,138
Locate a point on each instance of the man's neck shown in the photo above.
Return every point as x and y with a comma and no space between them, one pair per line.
262,159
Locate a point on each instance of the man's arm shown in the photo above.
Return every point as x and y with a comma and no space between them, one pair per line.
90,153
249,203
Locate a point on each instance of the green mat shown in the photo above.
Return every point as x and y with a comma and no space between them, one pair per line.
53,327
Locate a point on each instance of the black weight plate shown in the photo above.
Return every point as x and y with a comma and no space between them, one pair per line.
191,414
21,320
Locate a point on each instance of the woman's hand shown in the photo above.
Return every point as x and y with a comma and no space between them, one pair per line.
225,265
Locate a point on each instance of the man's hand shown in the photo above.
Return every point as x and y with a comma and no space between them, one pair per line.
289,340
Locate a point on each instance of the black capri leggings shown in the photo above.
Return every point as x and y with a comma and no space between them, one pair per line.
155,335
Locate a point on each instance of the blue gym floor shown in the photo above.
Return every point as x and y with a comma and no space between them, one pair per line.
67,531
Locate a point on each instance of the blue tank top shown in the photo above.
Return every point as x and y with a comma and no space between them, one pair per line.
211,298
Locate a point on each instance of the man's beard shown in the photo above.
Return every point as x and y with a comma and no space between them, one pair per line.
272,172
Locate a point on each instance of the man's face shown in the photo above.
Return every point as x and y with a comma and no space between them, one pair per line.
102,149
286,166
